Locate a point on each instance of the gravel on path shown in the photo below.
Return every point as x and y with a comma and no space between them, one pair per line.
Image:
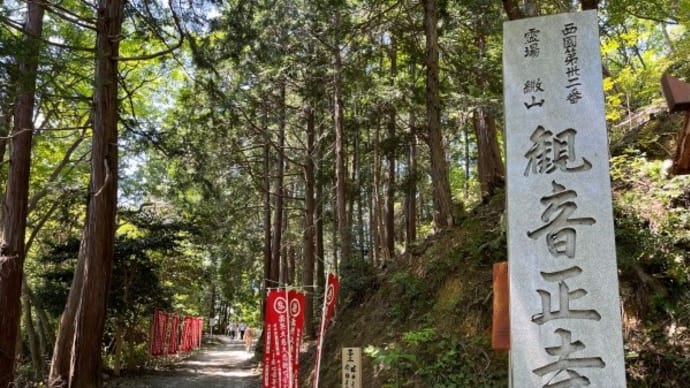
225,363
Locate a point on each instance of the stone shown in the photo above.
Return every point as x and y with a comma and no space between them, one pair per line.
564,304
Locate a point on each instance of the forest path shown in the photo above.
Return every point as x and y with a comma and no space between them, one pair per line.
224,363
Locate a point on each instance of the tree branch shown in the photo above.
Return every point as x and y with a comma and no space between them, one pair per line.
169,49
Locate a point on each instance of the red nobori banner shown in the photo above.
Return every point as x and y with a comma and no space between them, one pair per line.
173,341
331,296
186,342
296,301
284,327
159,329
329,300
271,360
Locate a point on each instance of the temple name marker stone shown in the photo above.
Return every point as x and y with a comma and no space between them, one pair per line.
564,303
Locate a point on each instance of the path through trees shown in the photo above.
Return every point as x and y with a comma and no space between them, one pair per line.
223,363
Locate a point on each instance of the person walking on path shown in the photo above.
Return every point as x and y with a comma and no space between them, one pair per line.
242,328
248,337
232,328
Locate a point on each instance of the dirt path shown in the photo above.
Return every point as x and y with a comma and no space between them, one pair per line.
222,364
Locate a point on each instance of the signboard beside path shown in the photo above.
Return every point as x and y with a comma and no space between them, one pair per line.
564,302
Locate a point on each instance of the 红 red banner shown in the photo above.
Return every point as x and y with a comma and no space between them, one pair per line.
296,301
173,341
331,296
329,300
271,360
283,331
159,328
186,341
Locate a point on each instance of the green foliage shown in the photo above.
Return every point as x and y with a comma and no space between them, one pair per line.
425,357
652,239
412,295
358,280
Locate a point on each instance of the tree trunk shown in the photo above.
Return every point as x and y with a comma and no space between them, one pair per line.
285,249
389,203
377,230
309,227
292,264
44,328
318,222
279,191
512,9
341,190
267,209
442,215
86,307
490,164
34,348
117,354
411,187
61,360
212,303
17,194
357,168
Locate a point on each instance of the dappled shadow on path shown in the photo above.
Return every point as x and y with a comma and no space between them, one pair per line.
225,364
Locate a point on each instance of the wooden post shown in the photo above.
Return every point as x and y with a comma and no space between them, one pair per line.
500,328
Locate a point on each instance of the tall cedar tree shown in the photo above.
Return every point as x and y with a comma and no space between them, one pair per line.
12,250
77,354
309,227
341,192
442,216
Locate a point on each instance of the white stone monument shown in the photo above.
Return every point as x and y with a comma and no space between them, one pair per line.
564,303
352,367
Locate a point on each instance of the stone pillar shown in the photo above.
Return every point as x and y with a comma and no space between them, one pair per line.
564,304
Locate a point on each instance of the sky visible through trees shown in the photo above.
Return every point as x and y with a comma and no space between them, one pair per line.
227,147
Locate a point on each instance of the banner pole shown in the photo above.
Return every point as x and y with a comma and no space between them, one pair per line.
288,314
321,332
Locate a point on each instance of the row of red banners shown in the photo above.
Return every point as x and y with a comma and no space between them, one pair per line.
168,335
283,330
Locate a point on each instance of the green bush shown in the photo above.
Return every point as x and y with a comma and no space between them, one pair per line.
430,359
359,278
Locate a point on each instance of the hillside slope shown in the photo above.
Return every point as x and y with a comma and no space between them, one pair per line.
425,319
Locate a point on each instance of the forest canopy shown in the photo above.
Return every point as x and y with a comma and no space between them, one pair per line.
200,152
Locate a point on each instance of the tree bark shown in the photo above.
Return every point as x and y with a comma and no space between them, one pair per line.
490,164
512,9
279,191
318,222
44,329
34,348
411,186
442,216
389,213
267,208
341,191
17,194
86,307
309,227
377,230
285,248
357,172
